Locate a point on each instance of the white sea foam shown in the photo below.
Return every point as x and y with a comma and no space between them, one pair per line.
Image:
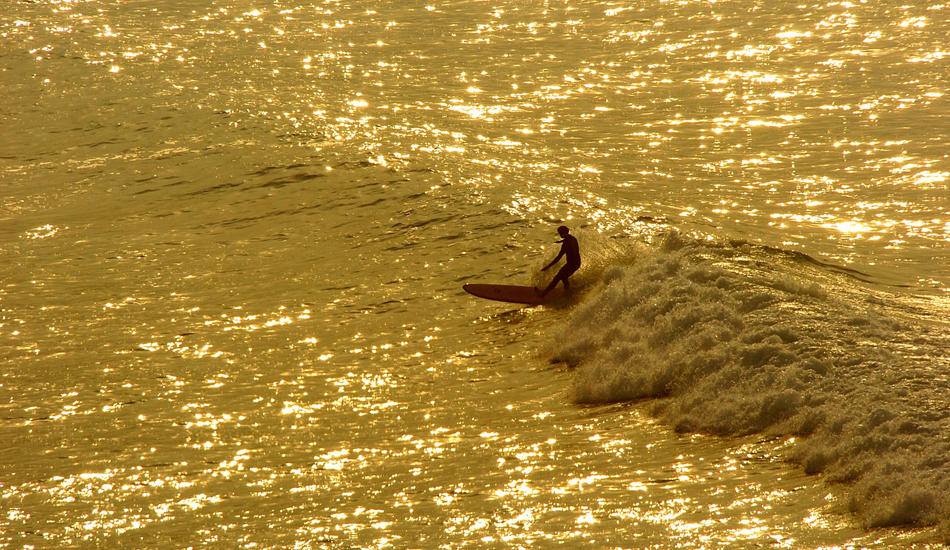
731,339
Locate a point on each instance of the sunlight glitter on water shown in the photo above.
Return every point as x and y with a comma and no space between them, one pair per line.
243,265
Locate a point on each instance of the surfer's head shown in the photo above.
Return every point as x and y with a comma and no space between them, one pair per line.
563,231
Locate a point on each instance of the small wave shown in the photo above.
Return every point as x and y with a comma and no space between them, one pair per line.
735,339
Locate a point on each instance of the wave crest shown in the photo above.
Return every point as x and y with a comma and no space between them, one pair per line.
735,339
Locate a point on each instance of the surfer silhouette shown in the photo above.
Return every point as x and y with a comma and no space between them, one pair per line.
569,249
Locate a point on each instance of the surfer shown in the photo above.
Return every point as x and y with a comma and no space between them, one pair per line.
569,249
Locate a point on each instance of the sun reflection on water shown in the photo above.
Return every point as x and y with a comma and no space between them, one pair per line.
293,421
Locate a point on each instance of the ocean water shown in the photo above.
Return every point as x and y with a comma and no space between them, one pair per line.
233,237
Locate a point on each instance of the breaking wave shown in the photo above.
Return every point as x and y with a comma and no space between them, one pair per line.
733,339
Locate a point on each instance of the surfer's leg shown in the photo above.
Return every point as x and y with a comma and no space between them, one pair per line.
557,279
562,275
550,286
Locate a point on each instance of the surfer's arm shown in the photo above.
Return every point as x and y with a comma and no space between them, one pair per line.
560,254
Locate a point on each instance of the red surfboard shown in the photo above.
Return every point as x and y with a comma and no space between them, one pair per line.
513,294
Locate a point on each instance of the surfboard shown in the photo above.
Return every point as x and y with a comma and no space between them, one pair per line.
513,294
